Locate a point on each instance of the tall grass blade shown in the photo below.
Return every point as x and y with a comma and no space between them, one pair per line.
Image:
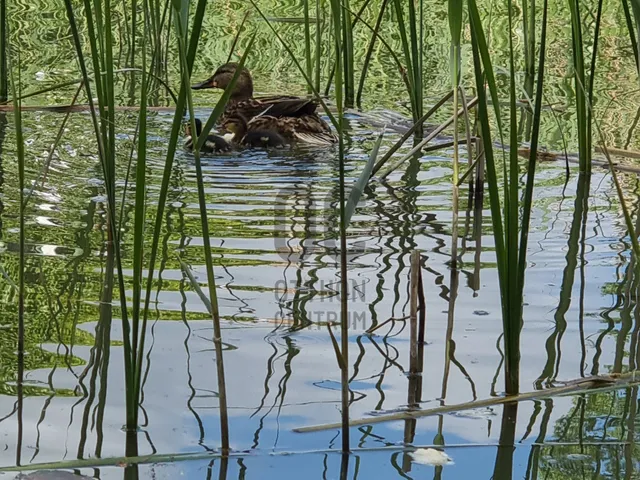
138,339
336,12
17,119
529,37
307,39
3,50
237,37
357,18
582,113
486,66
104,126
347,49
455,28
217,331
482,59
512,325
531,168
369,54
318,46
635,37
406,49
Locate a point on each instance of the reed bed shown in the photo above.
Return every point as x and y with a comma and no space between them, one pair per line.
154,28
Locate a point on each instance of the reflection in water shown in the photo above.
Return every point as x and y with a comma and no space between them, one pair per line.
273,221
576,239
503,467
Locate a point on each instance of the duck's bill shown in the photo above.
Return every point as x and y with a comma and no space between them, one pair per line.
209,83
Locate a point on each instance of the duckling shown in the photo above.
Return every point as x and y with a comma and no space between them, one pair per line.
213,143
294,118
244,135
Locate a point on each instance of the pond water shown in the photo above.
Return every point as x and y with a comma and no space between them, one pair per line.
273,218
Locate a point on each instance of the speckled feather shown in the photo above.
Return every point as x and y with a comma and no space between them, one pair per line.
292,117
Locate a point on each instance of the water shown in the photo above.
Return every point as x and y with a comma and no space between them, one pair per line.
272,215
273,219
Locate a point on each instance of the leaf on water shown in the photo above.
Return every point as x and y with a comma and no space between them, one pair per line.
431,456
361,183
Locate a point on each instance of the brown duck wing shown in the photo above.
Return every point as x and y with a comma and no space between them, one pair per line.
287,106
306,128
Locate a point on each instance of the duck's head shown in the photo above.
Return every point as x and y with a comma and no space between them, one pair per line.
187,129
222,78
235,124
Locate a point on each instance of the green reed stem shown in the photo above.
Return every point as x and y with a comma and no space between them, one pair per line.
633,35
307,40
455,28
417,47
347,53
512,325
17,118
237,36
357,18
528,192
337,14
139,326
529,37
3,51
582,113
318,46
369,54
406,49
484,69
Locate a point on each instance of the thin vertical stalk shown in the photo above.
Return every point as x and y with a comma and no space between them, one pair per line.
179,22
480,57
413,313
455,27
3,51
101,53
632,34
410,78
528,195
307,40
529,36
17,118
512,324
133,33
318,46
336,11
139,221
416,57
582,113
347,50
369,54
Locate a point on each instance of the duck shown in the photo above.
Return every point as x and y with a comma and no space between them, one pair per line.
242,133
213,143
294,118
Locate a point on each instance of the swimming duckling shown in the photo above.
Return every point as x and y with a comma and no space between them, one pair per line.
261,138
213,143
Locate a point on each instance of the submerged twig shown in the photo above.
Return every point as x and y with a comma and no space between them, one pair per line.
596,384
410,132
426,140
